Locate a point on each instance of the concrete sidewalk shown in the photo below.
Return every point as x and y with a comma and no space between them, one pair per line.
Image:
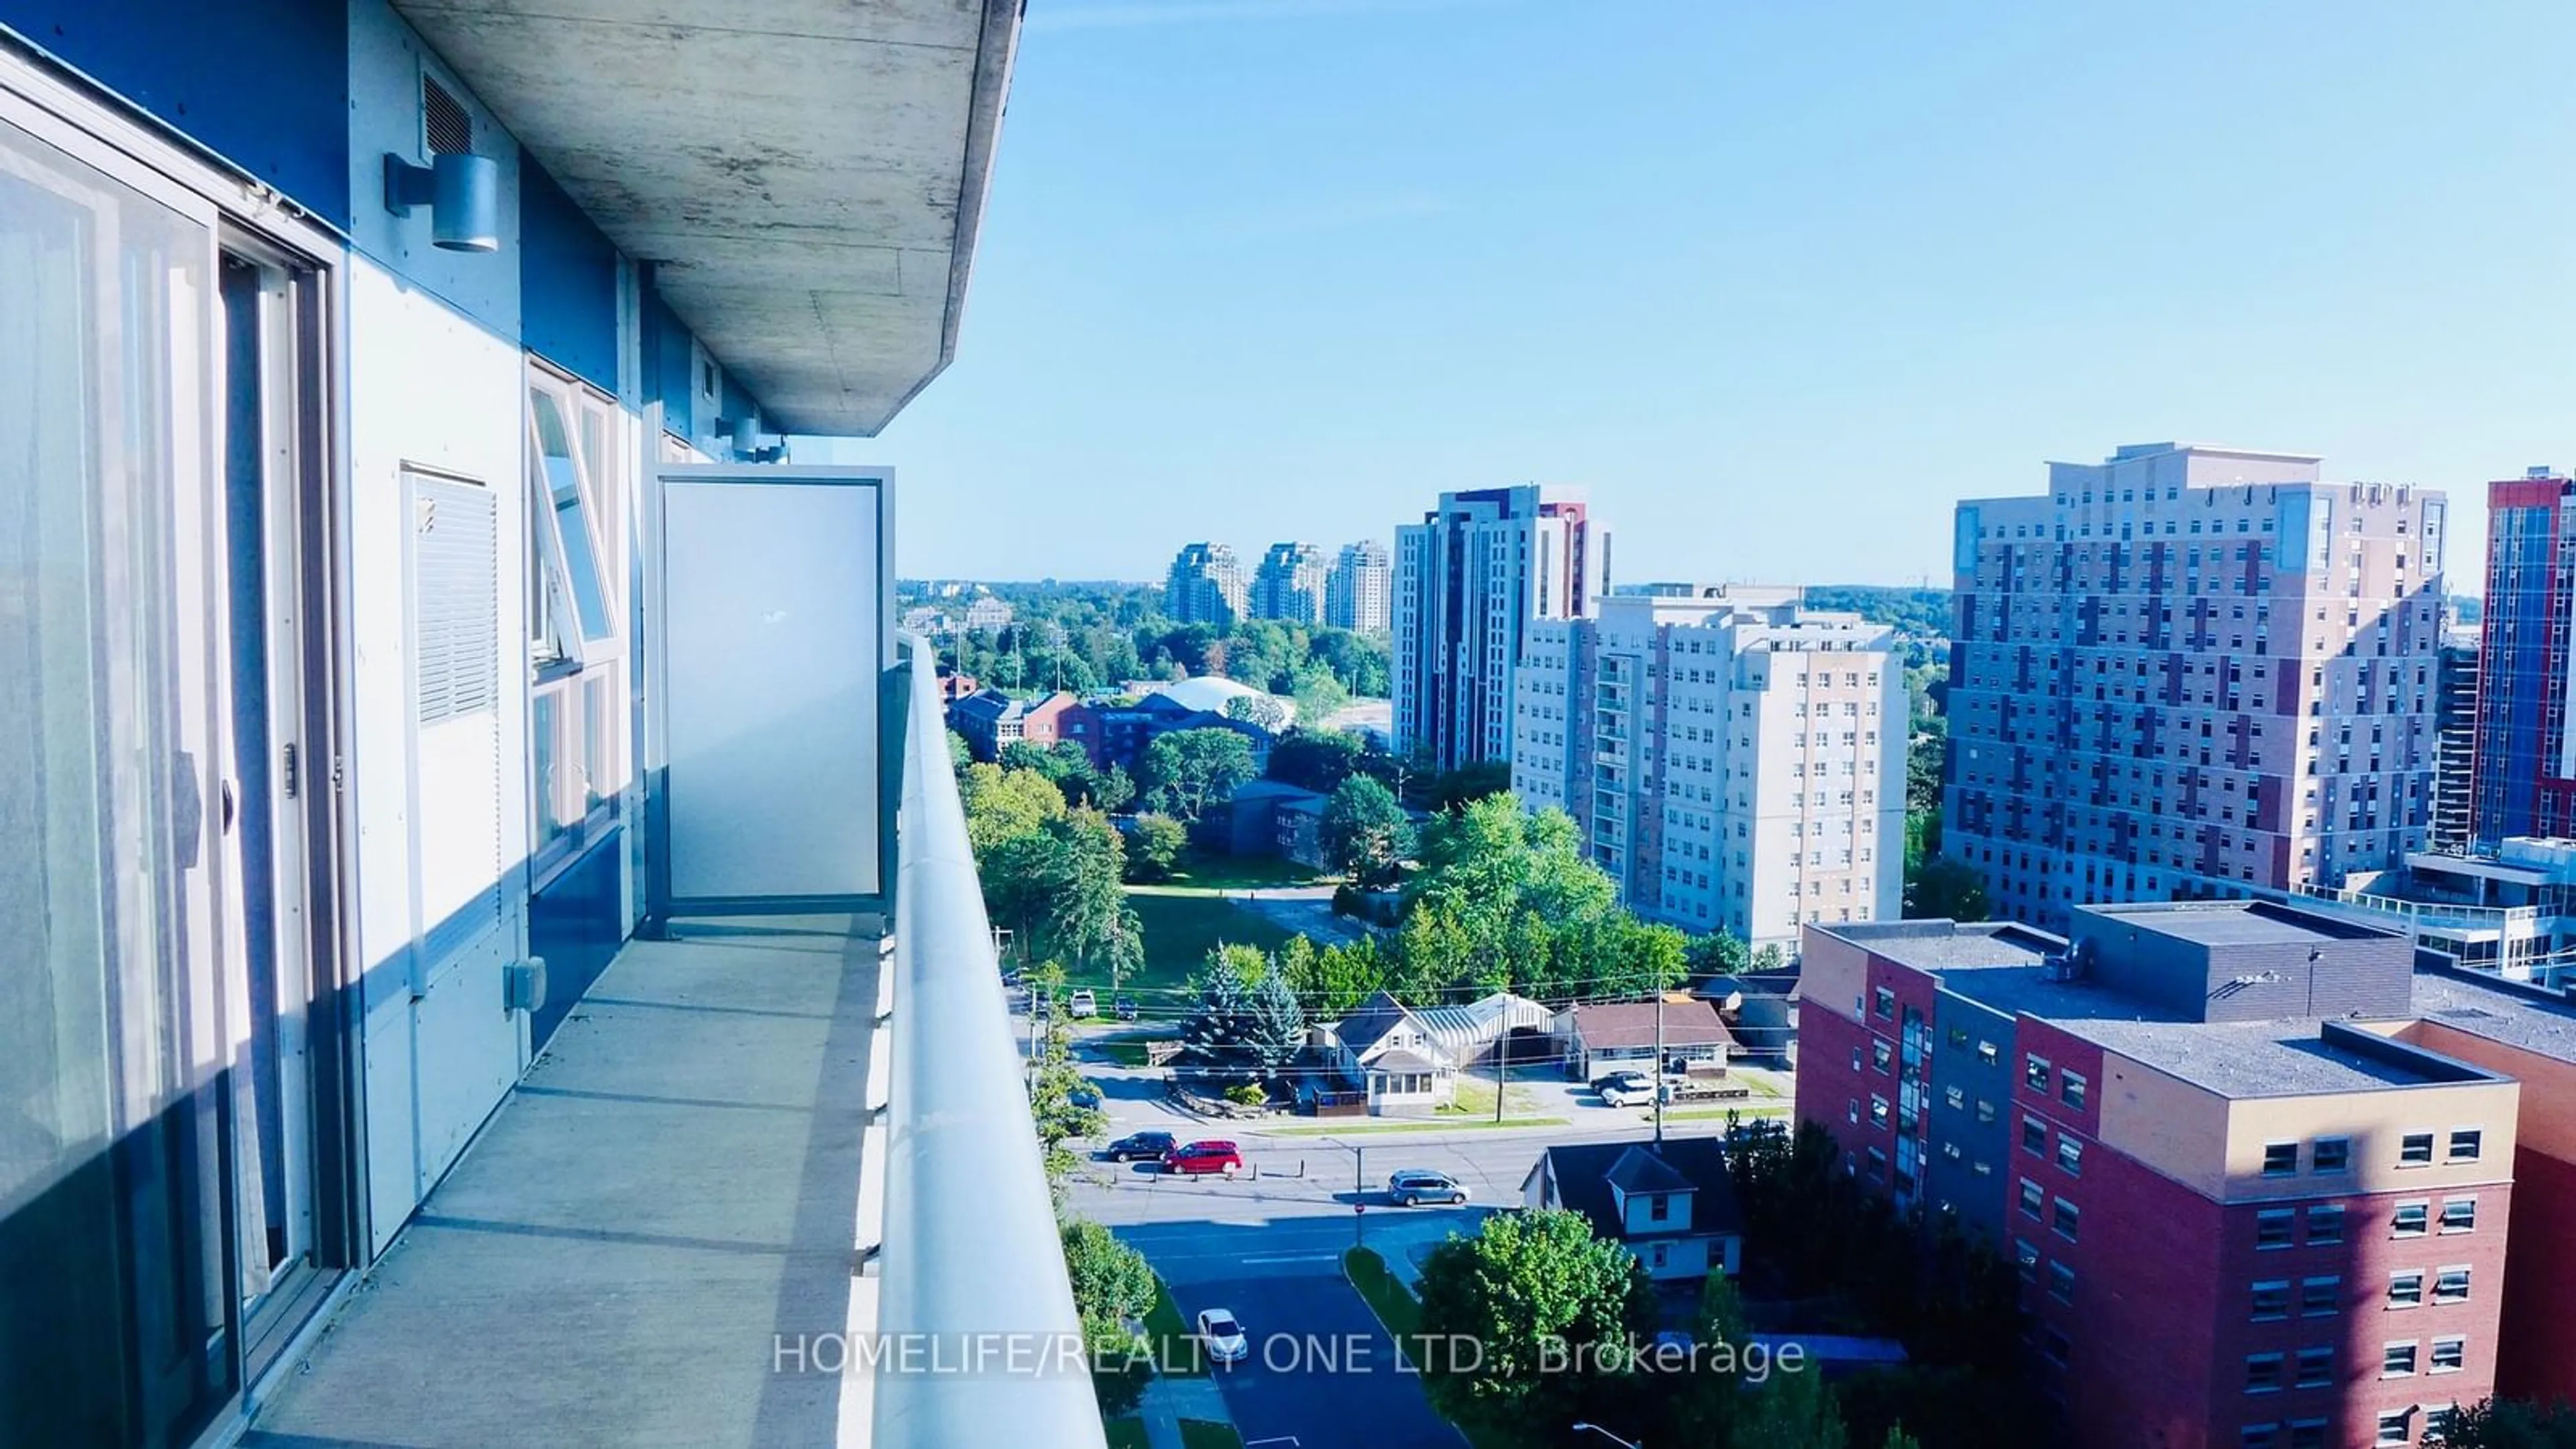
671,1191
1169,1400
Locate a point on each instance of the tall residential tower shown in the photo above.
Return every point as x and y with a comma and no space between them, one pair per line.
1735,759
1469,579
1289,585
2191,671
1206,586
2525,772
1356,591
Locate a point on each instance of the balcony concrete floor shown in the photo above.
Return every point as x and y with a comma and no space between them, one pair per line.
673,1186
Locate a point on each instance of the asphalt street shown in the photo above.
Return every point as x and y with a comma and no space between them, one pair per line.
1322,1371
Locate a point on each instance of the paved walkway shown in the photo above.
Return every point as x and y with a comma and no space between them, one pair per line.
1169,1400
670,1193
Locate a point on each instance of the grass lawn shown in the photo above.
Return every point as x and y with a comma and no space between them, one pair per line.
1244,872
1176,1348
1209,1434
1181,927
1427,1124
1126,1052
1476,1099
1748,1110
1127,1434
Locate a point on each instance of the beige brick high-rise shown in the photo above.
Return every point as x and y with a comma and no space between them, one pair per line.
2191,671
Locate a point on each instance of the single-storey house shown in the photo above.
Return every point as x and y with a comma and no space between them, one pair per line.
1611,1035
1670,1204
1389,1051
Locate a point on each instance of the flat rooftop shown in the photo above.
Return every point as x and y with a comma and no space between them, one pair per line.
1938,945
2221,924
2511,1013
2281,1058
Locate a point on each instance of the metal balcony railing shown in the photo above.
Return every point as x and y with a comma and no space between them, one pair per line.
979,1339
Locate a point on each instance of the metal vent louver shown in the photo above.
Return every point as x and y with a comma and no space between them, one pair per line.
455,608
444,122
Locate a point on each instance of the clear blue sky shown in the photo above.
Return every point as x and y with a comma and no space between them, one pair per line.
1777,282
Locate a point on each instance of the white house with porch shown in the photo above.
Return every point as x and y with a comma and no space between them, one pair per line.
1393,1054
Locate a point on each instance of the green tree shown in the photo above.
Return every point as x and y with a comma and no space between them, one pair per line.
1313,758
1085,917
1897,1438
1719,953
1274,1026
1112,1289
1110,1279
1258,709
1154,847
1364,831
1186,771
1335,980
1945,886
1112,791
1318,695
1554,1309
1792,1411
960,754
1216,1030
2507,1424
1004,804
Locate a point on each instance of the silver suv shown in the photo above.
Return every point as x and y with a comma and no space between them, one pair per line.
1415,1186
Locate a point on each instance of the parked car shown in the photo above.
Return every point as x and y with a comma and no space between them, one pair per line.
1126,1008
1086,1096
1418,1185
1084,1003
1628,1077
1140,1147
1223,1336
1627,1094
1197,1159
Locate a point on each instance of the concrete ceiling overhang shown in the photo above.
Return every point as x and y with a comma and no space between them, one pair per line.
806,176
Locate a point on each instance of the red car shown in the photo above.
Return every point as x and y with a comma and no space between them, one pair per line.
1194,1159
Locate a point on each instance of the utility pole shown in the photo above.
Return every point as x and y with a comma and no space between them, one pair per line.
1359,1194
1502,1067
1659,1067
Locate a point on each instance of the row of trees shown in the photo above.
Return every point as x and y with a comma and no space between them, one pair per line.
1052,872
1085,637
1557,1315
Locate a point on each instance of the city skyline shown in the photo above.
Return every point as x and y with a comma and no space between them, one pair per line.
1784,257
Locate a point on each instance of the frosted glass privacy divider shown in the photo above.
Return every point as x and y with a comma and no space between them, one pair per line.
768,626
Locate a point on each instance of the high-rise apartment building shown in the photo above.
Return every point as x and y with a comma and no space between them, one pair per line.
2260,1193
2190,671
1206,586
1358,589
2455,733
2526,754
1469,579
1289,585
1736,760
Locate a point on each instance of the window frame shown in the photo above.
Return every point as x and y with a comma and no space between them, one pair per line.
578,685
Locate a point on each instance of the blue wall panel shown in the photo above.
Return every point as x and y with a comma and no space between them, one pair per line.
265,83
667,366
567,281
574,925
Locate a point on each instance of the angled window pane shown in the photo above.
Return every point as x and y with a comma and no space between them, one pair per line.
576,544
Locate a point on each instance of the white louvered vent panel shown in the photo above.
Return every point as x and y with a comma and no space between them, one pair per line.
455,604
